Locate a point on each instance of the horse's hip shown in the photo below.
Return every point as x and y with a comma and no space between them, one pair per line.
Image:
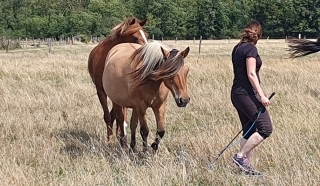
96,64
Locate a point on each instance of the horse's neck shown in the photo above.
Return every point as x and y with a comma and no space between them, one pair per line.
156,89
108,43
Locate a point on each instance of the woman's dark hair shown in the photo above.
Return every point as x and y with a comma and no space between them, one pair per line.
252,32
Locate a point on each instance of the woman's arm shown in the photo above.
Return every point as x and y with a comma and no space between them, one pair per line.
253,78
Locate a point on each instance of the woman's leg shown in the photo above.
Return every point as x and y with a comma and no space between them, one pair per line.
247,107
248,145
242,143
246,125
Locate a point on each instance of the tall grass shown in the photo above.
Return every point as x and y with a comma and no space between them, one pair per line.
52,130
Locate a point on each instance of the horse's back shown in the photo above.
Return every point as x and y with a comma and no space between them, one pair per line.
117,59
121,52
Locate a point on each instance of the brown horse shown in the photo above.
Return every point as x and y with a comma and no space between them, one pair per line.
129,31
303,47
139,77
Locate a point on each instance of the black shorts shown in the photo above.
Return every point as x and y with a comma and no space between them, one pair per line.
247,107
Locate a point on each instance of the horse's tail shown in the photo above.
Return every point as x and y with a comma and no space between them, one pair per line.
303,47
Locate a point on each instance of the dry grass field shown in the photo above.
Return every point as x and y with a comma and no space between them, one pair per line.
52,130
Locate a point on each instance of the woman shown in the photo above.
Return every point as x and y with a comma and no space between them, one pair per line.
247,95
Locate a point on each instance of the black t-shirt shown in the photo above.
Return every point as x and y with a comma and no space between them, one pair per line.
241,83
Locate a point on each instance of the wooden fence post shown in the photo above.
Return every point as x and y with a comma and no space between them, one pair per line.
7,48
200,44
49,44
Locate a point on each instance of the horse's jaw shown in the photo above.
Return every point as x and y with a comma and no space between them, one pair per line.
180,101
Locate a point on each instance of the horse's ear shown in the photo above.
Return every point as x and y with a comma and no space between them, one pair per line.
165,53
185,52
133,21
143,22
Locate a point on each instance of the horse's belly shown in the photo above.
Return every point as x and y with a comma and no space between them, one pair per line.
115,85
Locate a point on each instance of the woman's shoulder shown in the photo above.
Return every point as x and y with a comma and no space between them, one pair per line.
247,45
249,48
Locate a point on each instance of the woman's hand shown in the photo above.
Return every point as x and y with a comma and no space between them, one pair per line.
265,101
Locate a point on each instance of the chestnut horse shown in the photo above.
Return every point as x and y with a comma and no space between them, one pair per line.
139,77
129,31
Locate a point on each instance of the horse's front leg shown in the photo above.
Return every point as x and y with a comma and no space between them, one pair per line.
133,127
159,112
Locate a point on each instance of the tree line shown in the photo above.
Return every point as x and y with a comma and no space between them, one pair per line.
168,19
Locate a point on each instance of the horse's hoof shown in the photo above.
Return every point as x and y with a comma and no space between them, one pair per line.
109,138
125,151
154,146
133,150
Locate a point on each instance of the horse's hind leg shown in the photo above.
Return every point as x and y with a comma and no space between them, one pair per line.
106,115
113,117
119,120
133,127
125,116
159,113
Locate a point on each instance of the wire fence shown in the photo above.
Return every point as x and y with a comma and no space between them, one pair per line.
25,43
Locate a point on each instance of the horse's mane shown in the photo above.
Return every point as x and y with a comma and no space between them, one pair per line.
125,28
151,63
303,47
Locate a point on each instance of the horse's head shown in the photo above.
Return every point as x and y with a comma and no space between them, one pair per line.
131,31
177,83
165,65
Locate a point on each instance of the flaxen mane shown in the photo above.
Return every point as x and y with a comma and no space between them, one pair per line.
153,65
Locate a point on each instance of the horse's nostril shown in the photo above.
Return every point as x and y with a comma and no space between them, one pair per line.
180,100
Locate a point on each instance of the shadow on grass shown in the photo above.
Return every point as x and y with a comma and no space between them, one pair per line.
79,143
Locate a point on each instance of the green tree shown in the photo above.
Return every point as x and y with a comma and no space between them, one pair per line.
184,19
308,16
212,18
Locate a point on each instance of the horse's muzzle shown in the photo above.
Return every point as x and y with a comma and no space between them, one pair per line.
182,102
